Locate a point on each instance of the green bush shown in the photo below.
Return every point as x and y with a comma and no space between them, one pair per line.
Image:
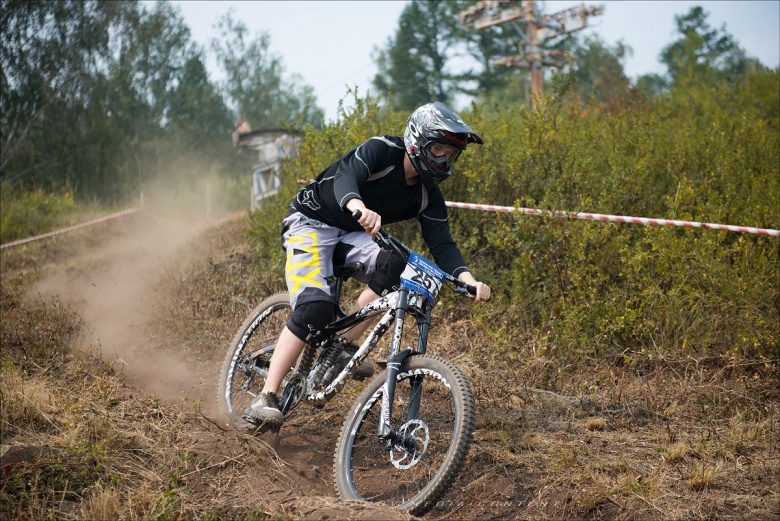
595,289
28,213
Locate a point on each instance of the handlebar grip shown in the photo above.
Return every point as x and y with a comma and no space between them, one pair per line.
472,290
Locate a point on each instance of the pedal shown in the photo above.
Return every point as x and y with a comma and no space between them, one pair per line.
261,427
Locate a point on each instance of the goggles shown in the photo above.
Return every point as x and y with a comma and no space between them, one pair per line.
441,156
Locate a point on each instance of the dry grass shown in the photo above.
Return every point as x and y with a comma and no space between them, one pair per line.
595,424
670,439
27,402
103,503
704,476
664,439
675,452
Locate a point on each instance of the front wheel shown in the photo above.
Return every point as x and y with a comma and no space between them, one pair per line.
246,364
413,471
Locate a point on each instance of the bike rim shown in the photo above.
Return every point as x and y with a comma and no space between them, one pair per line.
398,476
240,388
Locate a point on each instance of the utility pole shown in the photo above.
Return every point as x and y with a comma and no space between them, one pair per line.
535,30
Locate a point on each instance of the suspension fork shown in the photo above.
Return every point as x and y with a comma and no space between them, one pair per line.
423,325
395,361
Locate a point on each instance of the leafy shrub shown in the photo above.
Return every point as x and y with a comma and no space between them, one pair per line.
588,289
28,213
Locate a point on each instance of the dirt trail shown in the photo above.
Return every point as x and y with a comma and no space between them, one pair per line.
112,287
535,455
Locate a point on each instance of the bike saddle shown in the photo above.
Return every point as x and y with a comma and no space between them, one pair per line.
340,266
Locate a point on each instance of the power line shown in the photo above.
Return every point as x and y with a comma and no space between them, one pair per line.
341,81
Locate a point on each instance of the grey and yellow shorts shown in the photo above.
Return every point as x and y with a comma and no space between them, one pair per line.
310,246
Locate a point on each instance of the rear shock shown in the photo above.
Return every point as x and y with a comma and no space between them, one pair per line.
330,353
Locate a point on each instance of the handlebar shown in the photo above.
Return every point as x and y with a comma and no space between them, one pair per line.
388,242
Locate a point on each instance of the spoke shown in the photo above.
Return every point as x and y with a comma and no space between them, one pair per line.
375,475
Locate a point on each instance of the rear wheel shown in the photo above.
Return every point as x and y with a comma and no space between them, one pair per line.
246,364
418,467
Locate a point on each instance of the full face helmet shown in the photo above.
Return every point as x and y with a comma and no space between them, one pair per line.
434,138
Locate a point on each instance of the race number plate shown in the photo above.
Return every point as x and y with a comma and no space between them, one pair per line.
422,276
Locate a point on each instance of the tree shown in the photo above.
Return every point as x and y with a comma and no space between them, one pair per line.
433,56
483,81
702,54
255,84
196,106
412,68
652,85
598,69
53,57
98,96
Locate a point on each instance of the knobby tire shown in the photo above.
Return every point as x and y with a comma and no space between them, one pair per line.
261,328
363,464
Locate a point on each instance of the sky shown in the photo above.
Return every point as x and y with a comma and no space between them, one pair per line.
330,44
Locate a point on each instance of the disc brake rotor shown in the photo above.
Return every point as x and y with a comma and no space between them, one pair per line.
415,436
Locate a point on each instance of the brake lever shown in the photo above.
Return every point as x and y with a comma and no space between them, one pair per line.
462,287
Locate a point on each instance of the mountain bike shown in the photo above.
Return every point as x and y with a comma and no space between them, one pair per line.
407,436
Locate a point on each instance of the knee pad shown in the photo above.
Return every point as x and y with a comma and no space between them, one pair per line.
387,276
310,316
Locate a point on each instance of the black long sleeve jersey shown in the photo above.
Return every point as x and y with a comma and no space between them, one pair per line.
374,172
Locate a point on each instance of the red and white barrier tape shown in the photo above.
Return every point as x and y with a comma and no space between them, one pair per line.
605,217
615,218
71,228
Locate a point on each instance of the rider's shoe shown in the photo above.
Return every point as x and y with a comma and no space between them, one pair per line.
364,370
264,410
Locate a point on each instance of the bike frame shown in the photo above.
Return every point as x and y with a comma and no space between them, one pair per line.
395,307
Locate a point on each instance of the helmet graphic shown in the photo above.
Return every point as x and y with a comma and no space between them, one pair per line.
434,138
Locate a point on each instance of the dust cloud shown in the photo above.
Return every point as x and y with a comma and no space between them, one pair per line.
112,286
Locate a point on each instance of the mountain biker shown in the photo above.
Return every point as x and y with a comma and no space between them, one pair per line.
389,179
